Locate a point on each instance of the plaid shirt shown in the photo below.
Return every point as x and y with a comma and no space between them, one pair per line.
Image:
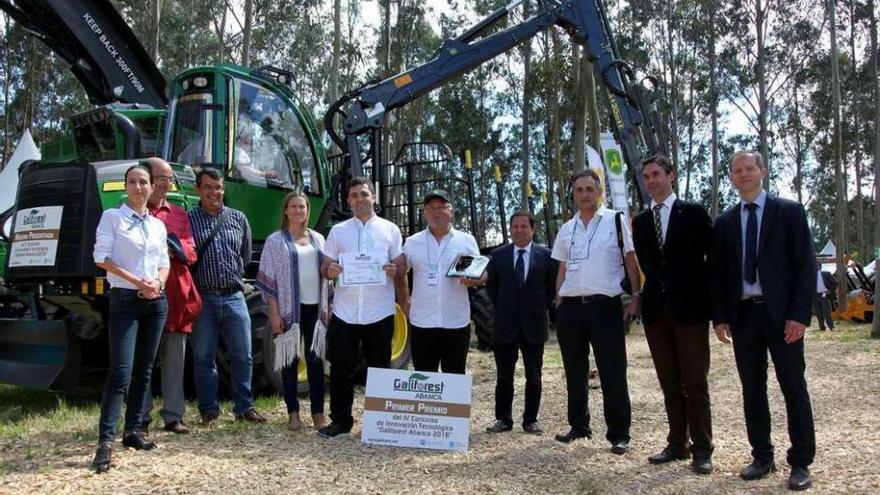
223,262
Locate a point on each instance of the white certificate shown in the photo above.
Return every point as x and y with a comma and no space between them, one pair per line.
359,269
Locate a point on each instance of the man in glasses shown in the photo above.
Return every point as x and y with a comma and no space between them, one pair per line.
439,309
592,249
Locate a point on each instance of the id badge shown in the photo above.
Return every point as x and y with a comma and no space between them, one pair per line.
433,279
573,265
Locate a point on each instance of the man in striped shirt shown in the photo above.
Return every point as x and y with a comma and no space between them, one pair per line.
219,276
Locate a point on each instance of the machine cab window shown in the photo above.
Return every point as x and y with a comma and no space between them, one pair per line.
270,147
193,130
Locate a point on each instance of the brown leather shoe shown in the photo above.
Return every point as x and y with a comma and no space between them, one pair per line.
293,421
251,416
177,426
209,417
319,421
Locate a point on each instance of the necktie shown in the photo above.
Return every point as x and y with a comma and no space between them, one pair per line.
520,268
658,226
751,257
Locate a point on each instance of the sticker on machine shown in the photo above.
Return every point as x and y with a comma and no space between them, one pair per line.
35,236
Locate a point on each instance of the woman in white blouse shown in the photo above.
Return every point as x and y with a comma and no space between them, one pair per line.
131,246
291,283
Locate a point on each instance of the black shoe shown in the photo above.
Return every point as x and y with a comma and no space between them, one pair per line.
702,465
574,434
136,440
334,430
251,416
101,463
500,426
669,454
620,447
800,479
533,429
757,469
209,417
177,426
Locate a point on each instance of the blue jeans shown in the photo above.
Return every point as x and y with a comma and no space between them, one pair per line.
223,317
135,330
314,366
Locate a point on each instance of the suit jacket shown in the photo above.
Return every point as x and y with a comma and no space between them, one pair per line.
677,277
786,263
521,309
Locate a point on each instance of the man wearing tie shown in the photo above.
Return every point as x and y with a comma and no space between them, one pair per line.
763,282
522,285
672,240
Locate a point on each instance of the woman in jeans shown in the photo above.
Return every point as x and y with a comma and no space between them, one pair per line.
131,246
291,284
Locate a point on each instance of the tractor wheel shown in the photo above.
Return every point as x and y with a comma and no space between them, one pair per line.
483,316
400,349
265,379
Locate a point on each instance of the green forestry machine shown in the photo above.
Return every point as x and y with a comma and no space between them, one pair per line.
53,306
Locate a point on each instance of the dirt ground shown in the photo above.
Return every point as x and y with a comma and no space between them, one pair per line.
38,455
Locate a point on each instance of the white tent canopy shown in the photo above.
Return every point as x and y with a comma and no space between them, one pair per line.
26,150
829,249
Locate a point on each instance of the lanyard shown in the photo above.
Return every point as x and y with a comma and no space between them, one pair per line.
589,238
443,245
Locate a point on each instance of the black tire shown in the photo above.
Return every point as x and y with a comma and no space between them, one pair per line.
265,380
483,316
401,352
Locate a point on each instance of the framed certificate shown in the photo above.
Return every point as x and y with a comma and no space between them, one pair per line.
468,266
360,269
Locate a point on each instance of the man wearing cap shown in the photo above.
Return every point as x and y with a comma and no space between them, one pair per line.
439,310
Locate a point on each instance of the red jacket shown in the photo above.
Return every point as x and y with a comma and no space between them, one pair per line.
184,301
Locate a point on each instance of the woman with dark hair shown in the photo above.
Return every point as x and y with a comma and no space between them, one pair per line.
131,245
291,283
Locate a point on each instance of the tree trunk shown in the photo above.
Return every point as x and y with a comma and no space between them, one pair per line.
840,211
763,134
7,142
875,327
592,105
246,33
673,82
157,16
526,116
857,150
798,145
580,109
713,107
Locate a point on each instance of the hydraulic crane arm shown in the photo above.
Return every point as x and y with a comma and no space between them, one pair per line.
97,44
364,108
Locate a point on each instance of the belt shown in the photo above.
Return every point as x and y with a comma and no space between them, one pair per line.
123,290
220,291
588,299
754,300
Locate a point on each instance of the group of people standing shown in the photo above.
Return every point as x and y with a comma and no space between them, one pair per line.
752,274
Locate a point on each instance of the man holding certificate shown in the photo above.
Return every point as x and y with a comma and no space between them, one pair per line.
365,254
440,310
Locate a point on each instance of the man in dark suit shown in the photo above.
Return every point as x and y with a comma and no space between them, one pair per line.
826,288
672,240
763,282
522,285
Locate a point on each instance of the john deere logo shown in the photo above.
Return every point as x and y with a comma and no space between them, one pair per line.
418,382
614,161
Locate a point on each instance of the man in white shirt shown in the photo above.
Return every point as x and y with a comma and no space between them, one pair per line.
590,312
439,311
363,304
